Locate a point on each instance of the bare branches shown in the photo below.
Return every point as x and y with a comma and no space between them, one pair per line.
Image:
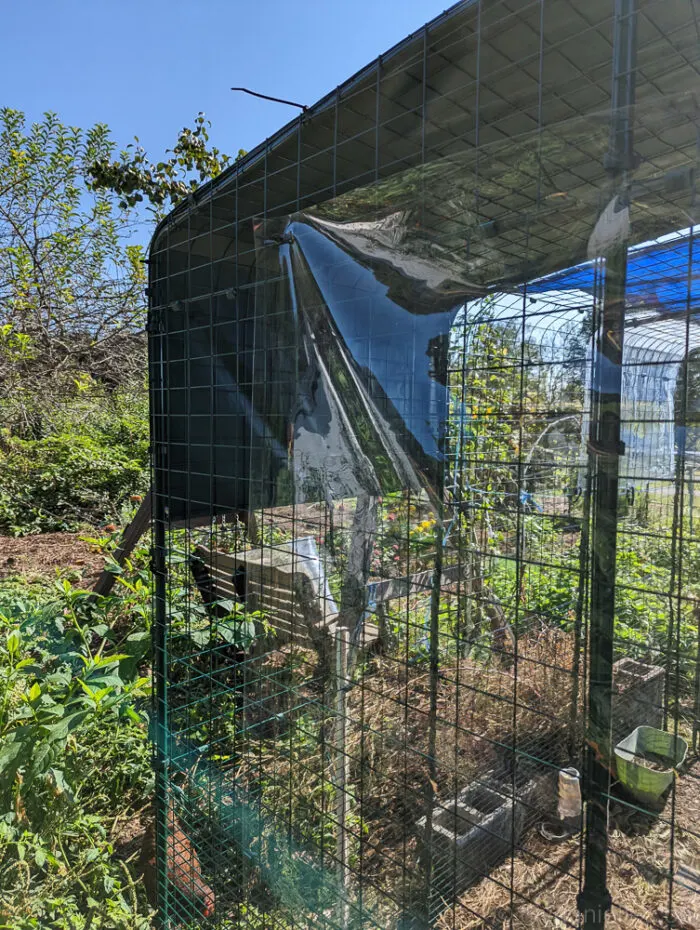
71,284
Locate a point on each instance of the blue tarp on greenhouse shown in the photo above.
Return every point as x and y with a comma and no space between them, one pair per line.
662,276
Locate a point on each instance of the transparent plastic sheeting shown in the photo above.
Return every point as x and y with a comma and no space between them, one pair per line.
340,388
330,368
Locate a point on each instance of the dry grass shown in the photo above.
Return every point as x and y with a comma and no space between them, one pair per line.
639,862
479,708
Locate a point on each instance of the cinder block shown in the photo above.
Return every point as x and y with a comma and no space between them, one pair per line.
638,697
473,834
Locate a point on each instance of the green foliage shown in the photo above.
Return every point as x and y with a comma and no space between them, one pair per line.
74,752
73,444
134,178
71,285
74,673
83,473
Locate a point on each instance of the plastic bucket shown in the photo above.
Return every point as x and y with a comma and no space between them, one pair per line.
644,783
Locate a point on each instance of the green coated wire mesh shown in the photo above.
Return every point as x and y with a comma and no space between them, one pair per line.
425,389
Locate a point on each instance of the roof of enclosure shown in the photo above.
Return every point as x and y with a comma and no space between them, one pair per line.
662,318
487,131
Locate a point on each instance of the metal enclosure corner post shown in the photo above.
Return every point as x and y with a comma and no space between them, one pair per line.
605,449
342,674
158,627
160,666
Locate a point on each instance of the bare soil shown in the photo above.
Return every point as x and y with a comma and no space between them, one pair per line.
35,557
127,835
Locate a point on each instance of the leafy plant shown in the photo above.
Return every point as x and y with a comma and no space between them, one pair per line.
84,472
134,178
74,752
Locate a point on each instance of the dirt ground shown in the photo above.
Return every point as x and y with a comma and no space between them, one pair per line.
36,557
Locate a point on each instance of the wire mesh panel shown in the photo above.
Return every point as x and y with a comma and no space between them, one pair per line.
425,384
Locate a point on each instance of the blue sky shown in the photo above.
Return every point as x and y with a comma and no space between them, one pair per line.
146,67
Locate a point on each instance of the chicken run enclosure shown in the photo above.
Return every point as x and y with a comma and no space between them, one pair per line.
425,387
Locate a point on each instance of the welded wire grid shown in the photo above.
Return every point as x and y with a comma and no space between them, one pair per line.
378,703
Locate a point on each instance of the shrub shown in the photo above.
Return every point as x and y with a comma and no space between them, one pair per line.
82,473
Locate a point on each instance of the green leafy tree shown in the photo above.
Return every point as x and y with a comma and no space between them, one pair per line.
134,178
72,312
71,276
71,282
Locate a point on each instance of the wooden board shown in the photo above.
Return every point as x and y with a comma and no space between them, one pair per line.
130,537
272,585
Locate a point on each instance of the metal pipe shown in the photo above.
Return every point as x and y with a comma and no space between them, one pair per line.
157,412
605,449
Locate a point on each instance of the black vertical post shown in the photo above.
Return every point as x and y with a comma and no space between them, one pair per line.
605,449
159,735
